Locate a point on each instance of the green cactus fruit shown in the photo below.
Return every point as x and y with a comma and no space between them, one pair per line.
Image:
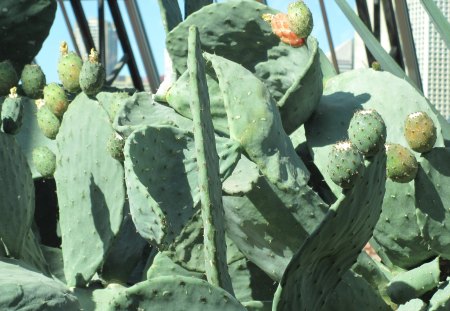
33,81
420,132
8,77
69,67
401,164
92,75
47,121
44,161
300,19
346,164
12,113
376,66
115,147
56,99
367,131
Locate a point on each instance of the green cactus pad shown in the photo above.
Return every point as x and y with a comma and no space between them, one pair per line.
163,265
17,193
178,97
440,300
267,224
23,28
31,136
33,81
44,160
397,231
8,77
69,68
367,131
53,257
401,164
420,132
56,99
112,100
334,246
209,181
161,209
432,203
24,288
298,91
174,293
12,113
91,212
33,255
47,122
233,29
346,164
300,19
140,109
258,127
415,282
125,253
95,298
92,75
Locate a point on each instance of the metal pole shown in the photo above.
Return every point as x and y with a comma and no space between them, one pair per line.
69,26
144,45
363,13
330,39
101,31
125,42
396,50
83,24
406,37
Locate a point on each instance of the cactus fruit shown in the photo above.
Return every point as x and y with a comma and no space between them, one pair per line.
280,26
92,75
376,66
346,164
55,99
367,131
401,164
12,113
44,161
47,121
8,77
69,67
420,132
300,19
33,81
115,147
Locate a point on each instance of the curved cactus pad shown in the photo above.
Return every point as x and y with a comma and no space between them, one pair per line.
23,288
90,187
17,193
161,176
334,246
140,109
175,293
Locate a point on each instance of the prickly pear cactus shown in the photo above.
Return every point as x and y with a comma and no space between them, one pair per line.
12,113
69,68
92,75
92,212
33,81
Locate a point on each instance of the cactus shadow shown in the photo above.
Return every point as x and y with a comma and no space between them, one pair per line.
428,200
101,214
330,122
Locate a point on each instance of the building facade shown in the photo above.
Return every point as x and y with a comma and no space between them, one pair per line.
433,55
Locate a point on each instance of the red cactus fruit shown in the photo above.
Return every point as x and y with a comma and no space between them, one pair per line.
280,27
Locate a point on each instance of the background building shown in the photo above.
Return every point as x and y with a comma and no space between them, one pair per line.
110,42
432,54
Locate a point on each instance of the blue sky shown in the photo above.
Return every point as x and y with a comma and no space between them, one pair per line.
49,54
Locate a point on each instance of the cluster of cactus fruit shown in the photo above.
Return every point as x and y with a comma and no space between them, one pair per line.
253,182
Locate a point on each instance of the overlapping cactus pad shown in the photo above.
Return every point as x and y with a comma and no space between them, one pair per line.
256,178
